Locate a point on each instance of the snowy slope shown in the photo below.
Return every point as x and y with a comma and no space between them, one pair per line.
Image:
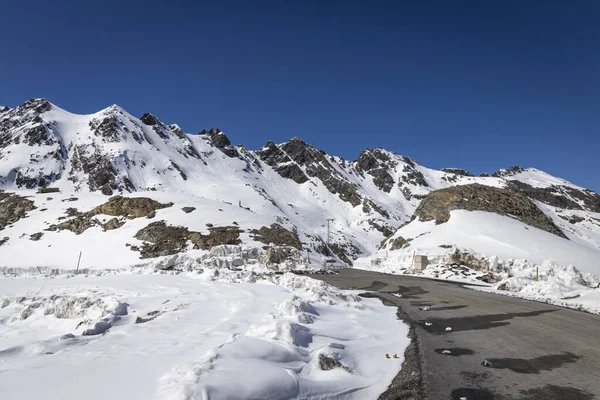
174,337
487,235
292,184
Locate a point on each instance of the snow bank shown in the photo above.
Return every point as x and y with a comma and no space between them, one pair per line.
550,283
196,334
484,234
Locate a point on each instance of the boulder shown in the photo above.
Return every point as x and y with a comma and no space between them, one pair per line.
475,197
129,206
13,207
278,235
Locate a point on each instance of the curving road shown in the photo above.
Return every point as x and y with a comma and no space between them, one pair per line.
534,350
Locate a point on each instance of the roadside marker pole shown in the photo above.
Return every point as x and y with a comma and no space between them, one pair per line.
78,261
537,273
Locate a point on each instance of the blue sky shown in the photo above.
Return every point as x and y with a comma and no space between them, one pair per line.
478,85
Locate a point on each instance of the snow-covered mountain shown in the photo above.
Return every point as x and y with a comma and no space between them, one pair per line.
282,193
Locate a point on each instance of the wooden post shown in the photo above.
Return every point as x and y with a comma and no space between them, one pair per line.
537,273
78,261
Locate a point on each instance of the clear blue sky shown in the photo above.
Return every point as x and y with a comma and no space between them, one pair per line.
479,85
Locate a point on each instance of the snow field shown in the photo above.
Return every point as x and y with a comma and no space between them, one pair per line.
195,338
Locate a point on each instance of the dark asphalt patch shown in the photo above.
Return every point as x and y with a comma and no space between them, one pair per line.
552,392
533,365
375,286
447,308
422,303
476,322
456,351
411,292
473,394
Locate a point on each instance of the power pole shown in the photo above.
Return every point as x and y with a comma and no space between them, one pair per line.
328,221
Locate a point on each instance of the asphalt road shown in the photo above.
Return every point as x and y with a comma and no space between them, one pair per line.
536,351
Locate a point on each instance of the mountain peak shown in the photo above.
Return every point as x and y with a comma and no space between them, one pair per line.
515,169
149,119
38,105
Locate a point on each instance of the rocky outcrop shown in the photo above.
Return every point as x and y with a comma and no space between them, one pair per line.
220,141
161,239
279,254
298,161
13,207
113,223
377,163
560,196
398,243
129,207
457,171
187,210
327,363
77,224
36,236
117,206
293,172
277,235
218,235
511,171
438,204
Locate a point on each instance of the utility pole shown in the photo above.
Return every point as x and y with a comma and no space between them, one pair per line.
328,221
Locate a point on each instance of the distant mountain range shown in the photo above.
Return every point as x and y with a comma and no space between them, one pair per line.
291,185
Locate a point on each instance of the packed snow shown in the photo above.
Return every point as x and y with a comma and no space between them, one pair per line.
191,336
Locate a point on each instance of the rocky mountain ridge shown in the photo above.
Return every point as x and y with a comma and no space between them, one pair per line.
291,184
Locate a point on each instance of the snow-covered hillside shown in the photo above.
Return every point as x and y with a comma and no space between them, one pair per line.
92,157
194,336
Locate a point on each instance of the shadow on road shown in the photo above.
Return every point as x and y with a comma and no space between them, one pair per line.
447,308
477,322
534,365
552,392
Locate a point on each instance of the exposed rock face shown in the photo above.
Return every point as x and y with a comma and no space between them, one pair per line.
13,208
149,119
277,235
438,204
113,223
187,210
24,127
36,236
515,169
377,163
102,175
327,363
77,225
384,229
218,235
290,158
117,206
469,260
130,207
293,172
279,254
162,240
220,141
560,196
398,243
457,171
